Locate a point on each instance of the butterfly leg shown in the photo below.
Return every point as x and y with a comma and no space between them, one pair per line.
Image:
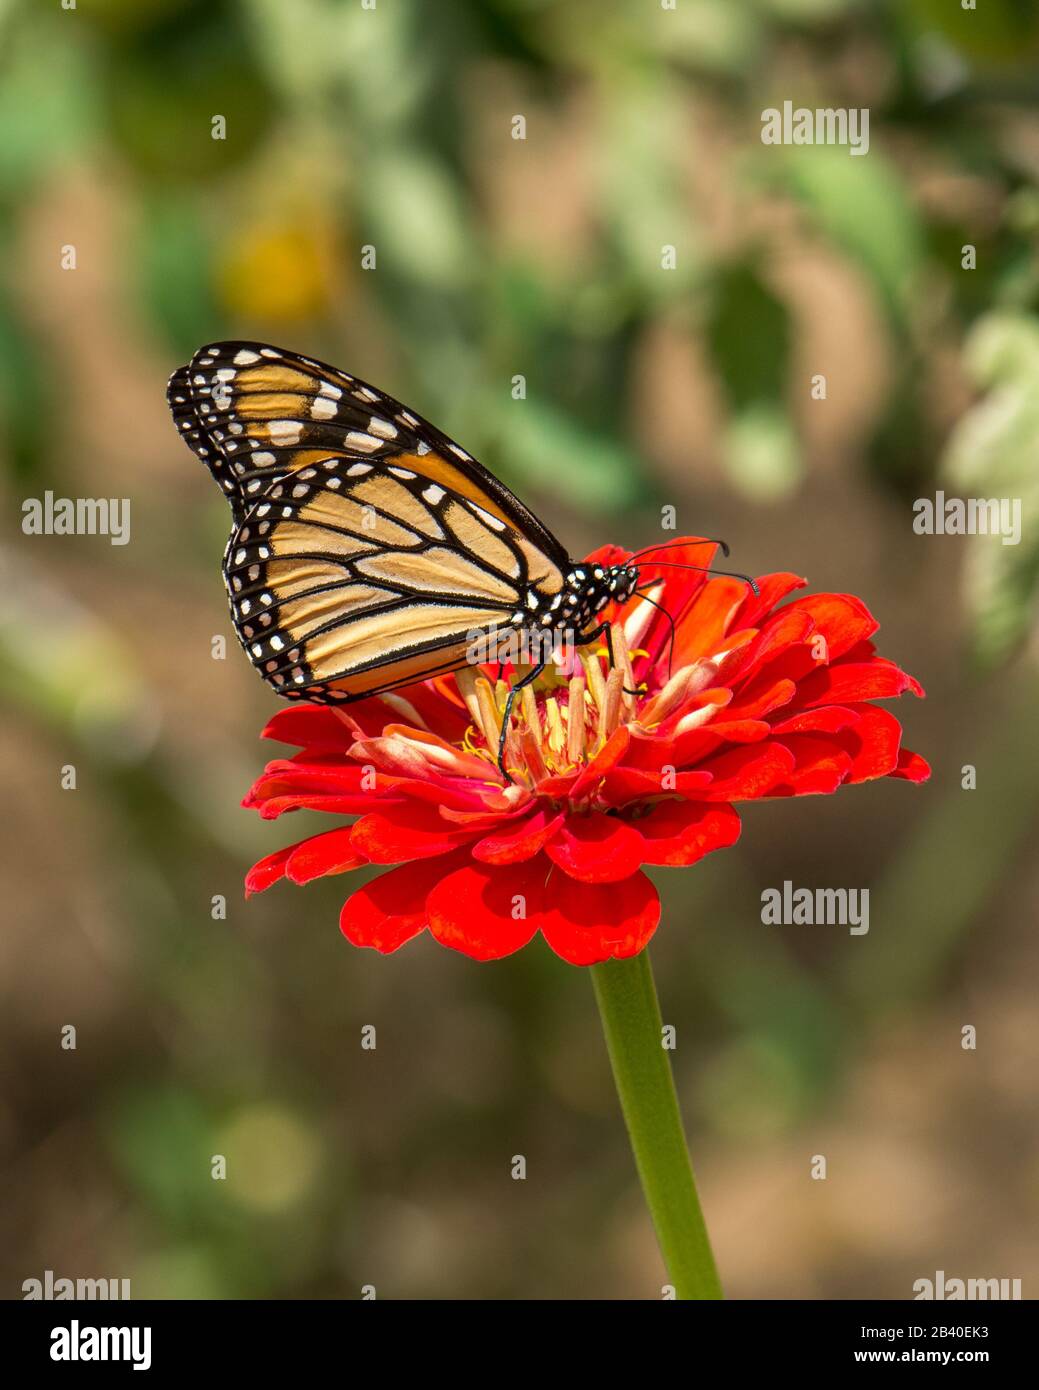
604,630
528,679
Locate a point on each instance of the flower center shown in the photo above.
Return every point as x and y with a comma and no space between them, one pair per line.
560,722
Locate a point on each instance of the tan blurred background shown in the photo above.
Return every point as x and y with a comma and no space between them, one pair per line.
392,127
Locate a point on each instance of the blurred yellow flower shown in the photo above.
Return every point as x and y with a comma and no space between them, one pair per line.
278,272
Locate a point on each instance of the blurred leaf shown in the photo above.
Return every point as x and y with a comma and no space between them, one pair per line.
164,1137
61,663
706,35
175,271
47,107
414,215
1000,31
762,453
163,89
749,336
565,459
748,333
808,11
992,454
862,206
640,188
26,414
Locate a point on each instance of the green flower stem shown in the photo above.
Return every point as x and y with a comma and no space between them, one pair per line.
627,1000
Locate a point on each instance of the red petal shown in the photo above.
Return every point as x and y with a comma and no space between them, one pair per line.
743,774
788,628
771,589
762,696
652,752
585,923
702,631
873,744
624,784
473,909
851,681
609,755
332,852
842,619
407,832
309,726
273,807
822,765
519,841
827,719
392,908
677,833
911,767
596,848
267,871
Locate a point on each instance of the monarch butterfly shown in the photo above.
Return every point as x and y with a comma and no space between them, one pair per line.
367,547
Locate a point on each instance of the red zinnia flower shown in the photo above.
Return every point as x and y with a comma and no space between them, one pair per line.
764,701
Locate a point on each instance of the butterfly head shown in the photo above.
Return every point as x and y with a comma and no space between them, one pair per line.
589,588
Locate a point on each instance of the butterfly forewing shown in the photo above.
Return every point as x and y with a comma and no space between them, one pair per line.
255,413
367,546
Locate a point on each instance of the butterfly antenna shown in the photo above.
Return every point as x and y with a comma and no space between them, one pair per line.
729,574
670,622
723,546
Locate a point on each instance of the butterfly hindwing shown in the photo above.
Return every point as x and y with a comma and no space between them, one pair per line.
350,576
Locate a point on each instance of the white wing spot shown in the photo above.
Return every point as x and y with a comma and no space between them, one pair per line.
487,518
285,431
367,443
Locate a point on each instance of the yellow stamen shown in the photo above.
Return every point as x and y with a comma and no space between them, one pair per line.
465,679
490,723
556,733
612,704
596,680
575,721
531,746
620,651
530,711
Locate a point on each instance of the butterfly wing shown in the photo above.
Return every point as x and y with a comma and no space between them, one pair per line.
349,576
255,413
